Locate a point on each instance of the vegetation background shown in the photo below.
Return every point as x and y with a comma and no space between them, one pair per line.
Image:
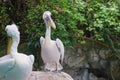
77,21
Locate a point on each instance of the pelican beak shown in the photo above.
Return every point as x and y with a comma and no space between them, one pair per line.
51,23
9,45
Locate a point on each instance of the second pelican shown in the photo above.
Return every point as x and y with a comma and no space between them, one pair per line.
52,52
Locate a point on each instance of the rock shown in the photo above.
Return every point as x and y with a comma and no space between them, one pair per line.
101,79
41,75
92,77
72,60
82,75
85,75
93,59
102,54
103,63
93,56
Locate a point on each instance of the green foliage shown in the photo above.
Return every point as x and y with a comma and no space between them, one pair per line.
104,17
4,20
69,16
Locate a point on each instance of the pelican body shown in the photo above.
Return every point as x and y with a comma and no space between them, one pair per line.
52,52
15,66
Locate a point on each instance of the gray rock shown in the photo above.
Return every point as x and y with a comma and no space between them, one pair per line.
92,56
103,63
92,77
103,53
82,75
41,75
85,75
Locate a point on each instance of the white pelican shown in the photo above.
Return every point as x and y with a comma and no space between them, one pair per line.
52,52
15,66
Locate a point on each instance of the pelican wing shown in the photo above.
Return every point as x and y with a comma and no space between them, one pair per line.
31,58
6,64
42,40
60,47
5,57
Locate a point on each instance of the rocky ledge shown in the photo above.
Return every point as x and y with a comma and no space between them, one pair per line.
41,75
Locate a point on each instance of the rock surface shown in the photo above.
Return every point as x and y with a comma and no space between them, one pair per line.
85,63
41,75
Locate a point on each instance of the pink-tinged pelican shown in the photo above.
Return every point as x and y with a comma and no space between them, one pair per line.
52,52
15,66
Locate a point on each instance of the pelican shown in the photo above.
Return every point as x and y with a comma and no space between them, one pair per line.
15,66
52,52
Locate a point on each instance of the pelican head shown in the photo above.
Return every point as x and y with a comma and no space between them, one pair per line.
13,33
48,20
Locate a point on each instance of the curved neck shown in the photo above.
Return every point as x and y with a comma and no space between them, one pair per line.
48,33
14,45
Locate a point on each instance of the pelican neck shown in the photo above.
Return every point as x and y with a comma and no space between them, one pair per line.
48,33
14,45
